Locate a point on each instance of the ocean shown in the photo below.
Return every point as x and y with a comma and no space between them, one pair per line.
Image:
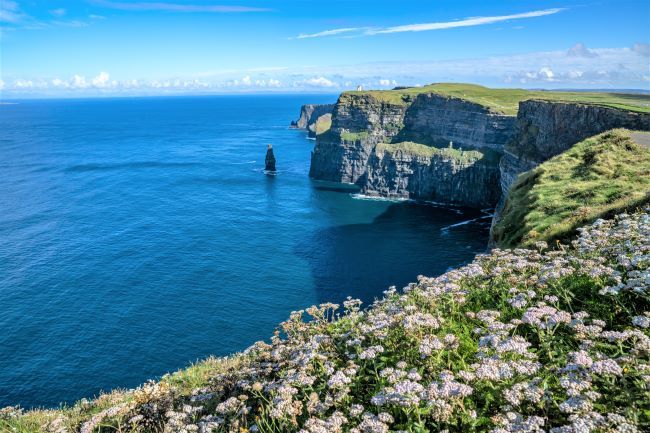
138,235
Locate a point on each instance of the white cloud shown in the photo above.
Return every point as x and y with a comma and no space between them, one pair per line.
580,50
468,22
101,80
315,82
546,73
385,82
2,84
79,82
23,84
10,12
58,12
174,7
59,83
624,67
642,49
329,32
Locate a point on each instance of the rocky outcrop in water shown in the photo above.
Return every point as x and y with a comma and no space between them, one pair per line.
269,161
309,116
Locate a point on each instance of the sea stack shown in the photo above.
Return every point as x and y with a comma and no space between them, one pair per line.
270,159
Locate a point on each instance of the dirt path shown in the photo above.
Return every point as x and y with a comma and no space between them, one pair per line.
641,138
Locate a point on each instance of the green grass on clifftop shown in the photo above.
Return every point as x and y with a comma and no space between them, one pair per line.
506,101
596,177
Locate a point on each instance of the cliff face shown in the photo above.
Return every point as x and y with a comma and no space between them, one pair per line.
360,123
545,129
310,113
454,177
437,120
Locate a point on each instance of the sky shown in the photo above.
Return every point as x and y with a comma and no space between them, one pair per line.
77,48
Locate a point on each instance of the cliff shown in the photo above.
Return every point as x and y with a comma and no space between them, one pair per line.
361,122
412,170
516,341
310,115
518,128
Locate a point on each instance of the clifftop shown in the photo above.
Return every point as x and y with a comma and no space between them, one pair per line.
505,101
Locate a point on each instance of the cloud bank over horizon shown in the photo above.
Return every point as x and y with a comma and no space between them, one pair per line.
575,67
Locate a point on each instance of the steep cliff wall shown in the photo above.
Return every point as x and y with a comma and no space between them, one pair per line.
436,120
358,124
310,113
361,123
416,171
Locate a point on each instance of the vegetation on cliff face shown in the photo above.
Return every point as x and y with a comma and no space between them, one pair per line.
536,341
323,124
506,101
599,176
416,149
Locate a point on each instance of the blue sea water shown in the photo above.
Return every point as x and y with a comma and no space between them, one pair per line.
138,235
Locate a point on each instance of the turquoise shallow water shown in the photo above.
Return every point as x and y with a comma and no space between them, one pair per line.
138,235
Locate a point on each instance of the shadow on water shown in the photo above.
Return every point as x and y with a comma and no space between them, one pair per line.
407,240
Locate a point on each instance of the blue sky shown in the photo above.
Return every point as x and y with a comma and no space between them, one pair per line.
105,47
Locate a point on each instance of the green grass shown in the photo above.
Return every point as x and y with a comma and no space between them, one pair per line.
354,136
595,178
418,149
323,124
506,101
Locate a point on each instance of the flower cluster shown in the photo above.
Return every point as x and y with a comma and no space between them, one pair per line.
529,341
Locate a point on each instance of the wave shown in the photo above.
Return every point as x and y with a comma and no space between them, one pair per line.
446,206
242,163
359,196
462,223
127,165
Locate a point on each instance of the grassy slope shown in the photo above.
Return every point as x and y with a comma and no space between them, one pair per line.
598,176
506,101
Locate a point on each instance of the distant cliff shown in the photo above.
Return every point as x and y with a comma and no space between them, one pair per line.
310,114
